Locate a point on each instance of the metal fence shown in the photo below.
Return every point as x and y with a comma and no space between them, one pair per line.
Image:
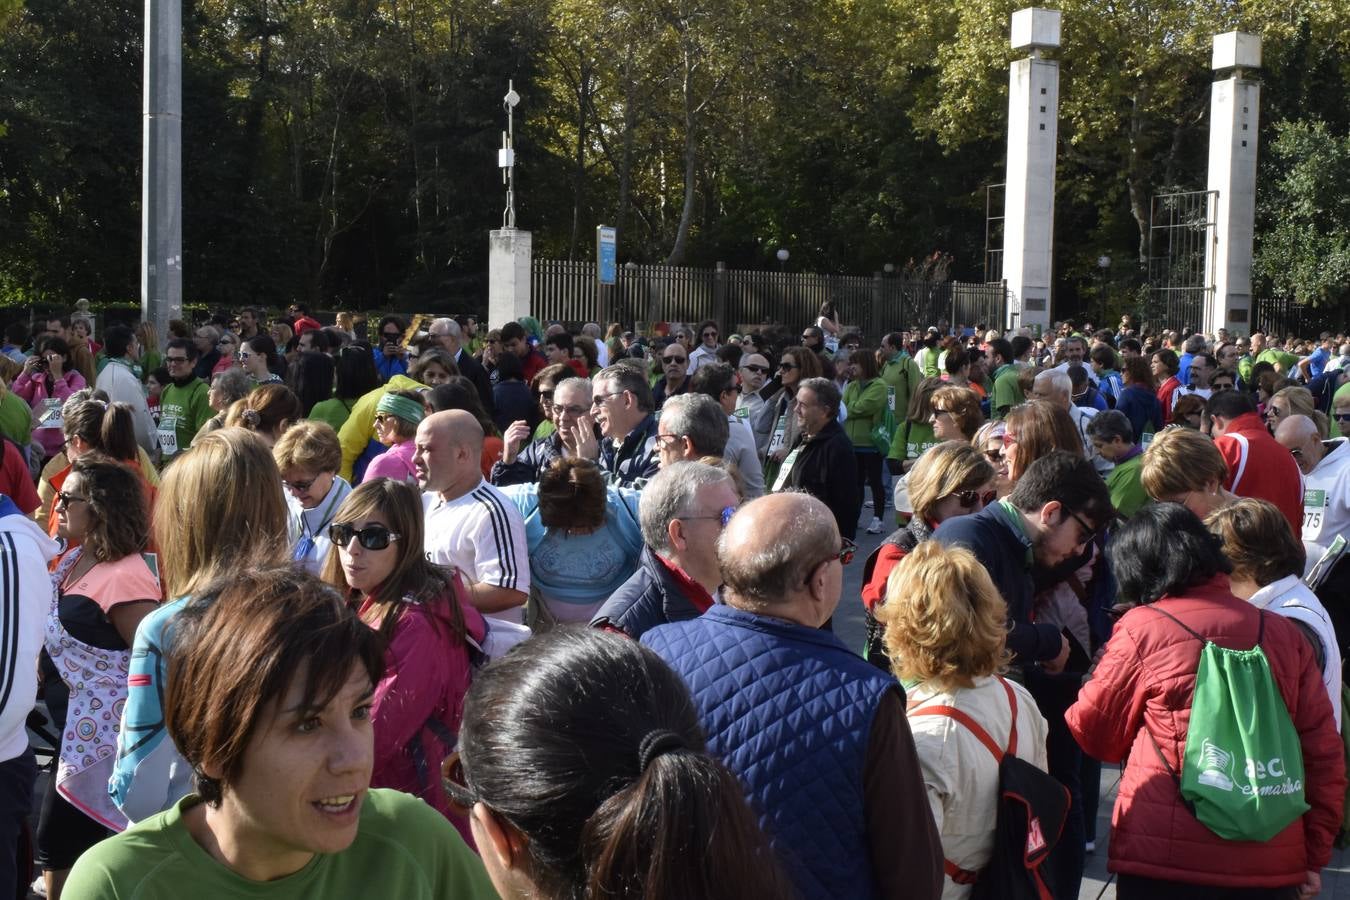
1181,226
738,299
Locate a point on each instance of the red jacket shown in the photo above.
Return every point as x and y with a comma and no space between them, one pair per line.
1164,394
1261,467
1144,685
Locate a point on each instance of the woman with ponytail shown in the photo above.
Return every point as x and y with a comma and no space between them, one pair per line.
584,770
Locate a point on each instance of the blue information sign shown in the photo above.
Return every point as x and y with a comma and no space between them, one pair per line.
607,254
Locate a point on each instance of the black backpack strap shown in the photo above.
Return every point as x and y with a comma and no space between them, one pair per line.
1193,633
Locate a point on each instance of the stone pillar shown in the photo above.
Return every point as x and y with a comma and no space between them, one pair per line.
1029,198
1234,109
508,276
162,167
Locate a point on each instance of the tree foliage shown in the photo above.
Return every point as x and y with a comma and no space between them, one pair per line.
344,150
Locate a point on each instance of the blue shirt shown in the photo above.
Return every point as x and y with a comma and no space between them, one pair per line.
1317,362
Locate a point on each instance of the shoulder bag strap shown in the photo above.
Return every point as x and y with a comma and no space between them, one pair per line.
952,712
1012,705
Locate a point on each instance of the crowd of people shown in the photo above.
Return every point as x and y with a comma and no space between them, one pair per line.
405,608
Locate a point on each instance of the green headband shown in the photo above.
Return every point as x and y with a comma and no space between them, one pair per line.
402,407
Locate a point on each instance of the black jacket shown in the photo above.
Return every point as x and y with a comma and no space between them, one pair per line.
825,469
650,597
473,370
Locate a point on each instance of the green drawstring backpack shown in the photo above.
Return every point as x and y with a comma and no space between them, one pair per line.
1242,770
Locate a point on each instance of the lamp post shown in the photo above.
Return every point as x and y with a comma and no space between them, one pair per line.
782,255
1103,263
506,157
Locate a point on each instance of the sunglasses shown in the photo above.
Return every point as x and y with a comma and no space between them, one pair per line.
224,342
460,796
372,537
762,370
63,499
391,335
786,366
724,516
1009,439
846,551
1341,416
994,455
299,486
967,498
673,359
710,334
175,359
242,355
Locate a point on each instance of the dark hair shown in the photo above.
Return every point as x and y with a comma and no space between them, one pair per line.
109,427
355,373
572,494
713,379
185,345
1067,478
1136,371
301,307
957,359
119,514
264,346
1230,404
1077,375
264,409
510,367
1163,549
1003,347
161,375
1257,540
52,344
512,331
397,320
1130,343
730,354
1020,344
563,738
562,340
311,378
16,333
1111,424
318,339
460,393
235,650
866,361
1171,362
1103,356
117,340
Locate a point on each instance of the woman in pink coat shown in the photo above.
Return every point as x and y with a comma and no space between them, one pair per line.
423,613
45,383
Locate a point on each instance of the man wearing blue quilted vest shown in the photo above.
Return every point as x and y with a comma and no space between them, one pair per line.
817,736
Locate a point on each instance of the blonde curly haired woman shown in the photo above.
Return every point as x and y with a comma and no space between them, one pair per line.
946,628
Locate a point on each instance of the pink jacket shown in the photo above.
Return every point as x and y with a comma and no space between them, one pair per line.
36,392
427,674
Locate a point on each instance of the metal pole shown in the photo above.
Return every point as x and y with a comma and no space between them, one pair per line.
162,167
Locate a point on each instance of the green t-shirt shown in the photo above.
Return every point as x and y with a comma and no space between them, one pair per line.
543,430
911,440
901,374
16,419
1007,393
185,410
1127,491
334,412
1285,362
403,849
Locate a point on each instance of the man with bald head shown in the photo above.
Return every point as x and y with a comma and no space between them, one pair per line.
816,736
469,523
1326,483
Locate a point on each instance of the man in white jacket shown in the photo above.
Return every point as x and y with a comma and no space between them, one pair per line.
26,597
122,385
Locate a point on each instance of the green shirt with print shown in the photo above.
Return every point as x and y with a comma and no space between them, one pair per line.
184,409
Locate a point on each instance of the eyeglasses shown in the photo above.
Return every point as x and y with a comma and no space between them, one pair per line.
786,366
224,342
1009,439
1341,416
673,359
967,499
994,455
761,370
299,486
175,359
937,411
1089,533
381,418
372,537
710,334
570,410
1297,453
546,396
724,516
599,399
63,499
668,439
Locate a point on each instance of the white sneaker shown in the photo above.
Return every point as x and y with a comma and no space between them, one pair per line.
875,527
869,504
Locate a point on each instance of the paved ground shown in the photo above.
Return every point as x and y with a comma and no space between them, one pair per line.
1098,884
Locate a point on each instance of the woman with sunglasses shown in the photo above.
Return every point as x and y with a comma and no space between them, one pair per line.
269,695
105,586
584,772
777,417
952,479
584,538
258,357
946,630
308,456
396,418
207,524
424,618
989,441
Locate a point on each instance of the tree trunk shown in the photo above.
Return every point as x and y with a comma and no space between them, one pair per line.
579,163
677,251
626,160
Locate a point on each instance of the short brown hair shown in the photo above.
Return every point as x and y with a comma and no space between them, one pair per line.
964,406
236,649
572,494
945,621
119,515
311,445
1257,540
1180,460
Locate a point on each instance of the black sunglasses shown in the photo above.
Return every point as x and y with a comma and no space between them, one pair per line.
967,498
762,370
372,537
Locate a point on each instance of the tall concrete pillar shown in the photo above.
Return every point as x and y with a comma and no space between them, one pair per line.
508,275
1029,198
162,166
1234,110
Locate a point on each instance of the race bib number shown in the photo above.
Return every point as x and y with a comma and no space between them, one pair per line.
51,414
890,399
779,431
168,435
742,412
786,471
1314,512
